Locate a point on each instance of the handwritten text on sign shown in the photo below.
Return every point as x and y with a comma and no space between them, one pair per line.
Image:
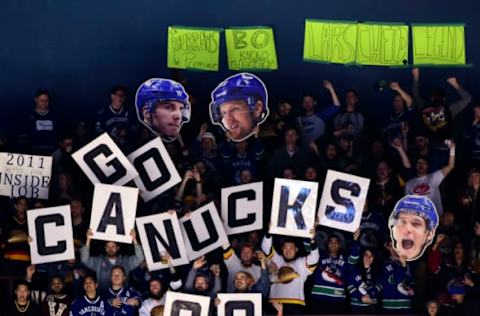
25,175
193,48
332,42
438,45
252,48
382,44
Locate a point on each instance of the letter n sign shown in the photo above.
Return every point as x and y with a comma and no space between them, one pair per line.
103,162
343,199
293,208
52,234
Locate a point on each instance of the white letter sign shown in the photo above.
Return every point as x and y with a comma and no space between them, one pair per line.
159,234
293,208
242,207
203,231
103,162
113,212
52,234
343,199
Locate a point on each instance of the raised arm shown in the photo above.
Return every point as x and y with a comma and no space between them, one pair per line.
417,100
329,86
402,93
451,160
465,97
397,144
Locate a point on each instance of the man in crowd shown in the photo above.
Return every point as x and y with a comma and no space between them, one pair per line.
244,282
286,292
57,303
243,263
103,265
120,299
89,304
22,305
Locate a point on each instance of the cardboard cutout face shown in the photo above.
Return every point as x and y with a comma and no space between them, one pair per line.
163,106
412,224
239,104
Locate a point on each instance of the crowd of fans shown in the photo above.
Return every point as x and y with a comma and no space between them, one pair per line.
334,273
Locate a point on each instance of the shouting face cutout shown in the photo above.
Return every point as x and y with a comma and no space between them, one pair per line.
412,225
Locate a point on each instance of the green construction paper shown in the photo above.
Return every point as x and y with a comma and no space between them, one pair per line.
330,41
382,44
190,48
251,48
438,44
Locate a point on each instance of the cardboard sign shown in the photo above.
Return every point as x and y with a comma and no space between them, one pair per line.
413,223
52,234
160,234
239,104
103,162
203,231
180,304
240,304
438,44
343,199
25,175
242,208
251,48
193,48
382,44
156,170
330,41
293,208
163,106
113,212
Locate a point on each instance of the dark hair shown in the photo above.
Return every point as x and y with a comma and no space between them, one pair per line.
117,88
21,197
56,276
22,282
117,267
421,157
351,90
290,128
90,276
42,92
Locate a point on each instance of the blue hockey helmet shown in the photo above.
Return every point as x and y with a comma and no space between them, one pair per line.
157,90
242,86
417,205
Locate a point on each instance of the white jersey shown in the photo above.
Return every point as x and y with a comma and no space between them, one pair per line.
234,265
291,291
429,186
150,304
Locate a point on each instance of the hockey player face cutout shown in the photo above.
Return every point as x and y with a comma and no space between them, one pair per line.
238,120
411,236
166,118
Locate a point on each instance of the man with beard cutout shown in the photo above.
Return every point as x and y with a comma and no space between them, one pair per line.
412,225
57,303
244,263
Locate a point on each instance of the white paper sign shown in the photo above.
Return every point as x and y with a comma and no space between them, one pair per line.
113,212
343,199
293,208
242,208
181,304
25,175
103,162
203,231
161,234
52,234
156,170
240,304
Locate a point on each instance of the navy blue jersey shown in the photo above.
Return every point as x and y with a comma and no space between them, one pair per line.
124,294
329,278
83,306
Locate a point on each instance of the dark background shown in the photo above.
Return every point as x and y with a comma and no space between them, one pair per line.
79,48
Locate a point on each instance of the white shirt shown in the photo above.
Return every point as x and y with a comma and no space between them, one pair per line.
429,186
